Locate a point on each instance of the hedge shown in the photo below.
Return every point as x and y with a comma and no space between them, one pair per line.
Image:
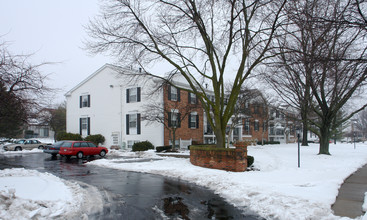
142,146
268,142
69,136
97,139
163,148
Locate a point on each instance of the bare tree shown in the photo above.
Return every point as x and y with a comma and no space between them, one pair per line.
171,114
24,83
203,41
24,80
361,124
323,62
250,103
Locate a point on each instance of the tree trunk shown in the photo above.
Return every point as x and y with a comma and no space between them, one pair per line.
173,139
220,135
304,136
324,140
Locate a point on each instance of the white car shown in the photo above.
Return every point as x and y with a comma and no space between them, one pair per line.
25,145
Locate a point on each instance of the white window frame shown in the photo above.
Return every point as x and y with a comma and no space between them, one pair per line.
174,93
84,123
192,98
133,95
133,121
85,101
193,115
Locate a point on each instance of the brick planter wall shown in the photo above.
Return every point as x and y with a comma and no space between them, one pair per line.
222,159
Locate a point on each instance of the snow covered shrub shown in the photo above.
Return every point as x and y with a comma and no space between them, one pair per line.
250,160
69,136
97,139
142,146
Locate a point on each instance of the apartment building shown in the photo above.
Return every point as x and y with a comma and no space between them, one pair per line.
115,105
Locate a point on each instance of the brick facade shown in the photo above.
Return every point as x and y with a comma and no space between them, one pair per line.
184,108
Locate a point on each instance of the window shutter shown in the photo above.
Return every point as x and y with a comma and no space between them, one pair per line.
88,100
138,123
169,119
179,120
169,92
189,117
138,94
189,95
178,95
88,131
197,121
127,96
80,102
80,126
127,124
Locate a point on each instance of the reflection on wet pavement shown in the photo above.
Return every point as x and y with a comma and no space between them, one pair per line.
131,195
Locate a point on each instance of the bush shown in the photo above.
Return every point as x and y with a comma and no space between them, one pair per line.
250,160
142,146
69,136
163,148
96,139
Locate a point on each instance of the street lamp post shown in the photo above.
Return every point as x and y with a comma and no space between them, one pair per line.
299,150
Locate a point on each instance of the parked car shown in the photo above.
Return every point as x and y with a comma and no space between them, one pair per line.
54,148
25,145
81,149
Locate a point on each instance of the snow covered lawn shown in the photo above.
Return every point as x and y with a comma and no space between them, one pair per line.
279,190
29,194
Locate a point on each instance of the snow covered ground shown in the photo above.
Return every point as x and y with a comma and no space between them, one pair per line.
29,194
278,190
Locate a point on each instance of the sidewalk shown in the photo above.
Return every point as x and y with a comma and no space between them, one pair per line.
351,195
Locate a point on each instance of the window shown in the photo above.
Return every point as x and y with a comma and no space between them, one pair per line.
173,93
256,125
133,95
132,121
91,144
194,120
192,98
247,125
131,143
133,124
174,118
84,144
84,123
84,126
77,144
84,101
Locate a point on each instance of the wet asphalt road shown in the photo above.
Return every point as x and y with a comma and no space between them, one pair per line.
130,195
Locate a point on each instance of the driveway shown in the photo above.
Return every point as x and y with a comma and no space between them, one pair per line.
130,195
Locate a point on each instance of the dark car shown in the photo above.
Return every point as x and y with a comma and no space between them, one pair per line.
81,149
53,149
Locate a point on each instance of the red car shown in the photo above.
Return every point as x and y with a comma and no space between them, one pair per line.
81,148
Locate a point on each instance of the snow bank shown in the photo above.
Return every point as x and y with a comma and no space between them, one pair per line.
279,190
26,194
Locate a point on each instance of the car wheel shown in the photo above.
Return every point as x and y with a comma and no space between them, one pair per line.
103,153
18,149
41,147
54,155
79,155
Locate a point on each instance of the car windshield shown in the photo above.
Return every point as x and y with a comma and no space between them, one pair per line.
66,144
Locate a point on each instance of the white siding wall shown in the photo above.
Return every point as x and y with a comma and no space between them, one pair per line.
108,109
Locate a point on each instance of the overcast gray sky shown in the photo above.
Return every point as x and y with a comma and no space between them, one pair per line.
53,31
